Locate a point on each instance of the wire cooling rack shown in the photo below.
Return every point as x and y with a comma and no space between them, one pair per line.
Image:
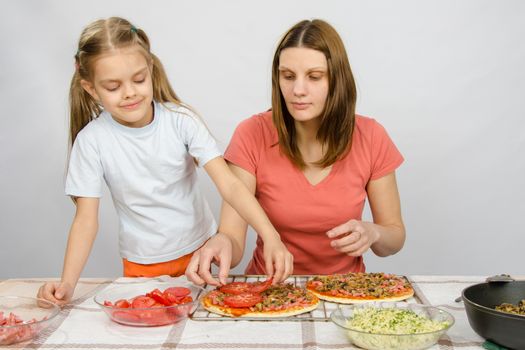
320,314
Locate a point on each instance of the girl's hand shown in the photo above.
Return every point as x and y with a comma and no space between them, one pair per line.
217,249
278,260
354,237
59,293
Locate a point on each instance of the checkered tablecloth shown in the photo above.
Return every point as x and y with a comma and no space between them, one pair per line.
82,325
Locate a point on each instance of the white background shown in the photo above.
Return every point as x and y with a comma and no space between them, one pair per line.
446,78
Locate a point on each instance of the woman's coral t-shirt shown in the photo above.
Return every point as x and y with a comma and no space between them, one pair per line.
301,212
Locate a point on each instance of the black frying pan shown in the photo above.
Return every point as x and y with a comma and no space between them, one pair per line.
499,327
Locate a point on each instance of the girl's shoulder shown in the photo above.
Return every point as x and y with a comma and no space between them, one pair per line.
173,109
95,127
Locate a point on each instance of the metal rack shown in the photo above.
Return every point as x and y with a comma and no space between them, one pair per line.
320,314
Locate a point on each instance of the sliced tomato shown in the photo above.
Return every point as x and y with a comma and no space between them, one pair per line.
242,300
259,287
235,288
155,317
142,301
178,291
122,304
126,317
186,299
106,303
159,297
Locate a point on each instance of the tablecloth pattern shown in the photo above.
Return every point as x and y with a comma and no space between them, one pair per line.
82,325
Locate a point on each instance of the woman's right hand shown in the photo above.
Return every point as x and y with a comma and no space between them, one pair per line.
59,293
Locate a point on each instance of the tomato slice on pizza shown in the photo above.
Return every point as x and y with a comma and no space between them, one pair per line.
259,300
360,287
242,300
235,288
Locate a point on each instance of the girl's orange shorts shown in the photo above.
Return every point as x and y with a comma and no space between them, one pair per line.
173,268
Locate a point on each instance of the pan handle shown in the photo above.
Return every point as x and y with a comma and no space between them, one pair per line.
494,279
500,278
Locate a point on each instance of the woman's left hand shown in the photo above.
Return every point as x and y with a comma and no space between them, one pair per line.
354,237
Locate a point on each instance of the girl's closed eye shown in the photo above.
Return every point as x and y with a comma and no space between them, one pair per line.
112,87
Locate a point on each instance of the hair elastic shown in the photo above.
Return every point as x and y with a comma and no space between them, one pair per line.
133,29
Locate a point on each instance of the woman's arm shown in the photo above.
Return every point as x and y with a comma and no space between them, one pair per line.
386,235
81,237
385,206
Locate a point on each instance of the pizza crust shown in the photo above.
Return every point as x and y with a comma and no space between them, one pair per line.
230,312
349,300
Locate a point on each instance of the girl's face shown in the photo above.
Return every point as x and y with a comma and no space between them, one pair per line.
303,79
122,85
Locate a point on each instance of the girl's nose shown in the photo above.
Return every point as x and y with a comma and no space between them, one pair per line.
129,91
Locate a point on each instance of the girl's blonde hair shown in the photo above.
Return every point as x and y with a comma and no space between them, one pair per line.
338,116
100,37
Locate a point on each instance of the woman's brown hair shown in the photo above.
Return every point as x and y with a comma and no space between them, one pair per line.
338,116
103,36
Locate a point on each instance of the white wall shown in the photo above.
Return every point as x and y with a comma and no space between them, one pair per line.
446,78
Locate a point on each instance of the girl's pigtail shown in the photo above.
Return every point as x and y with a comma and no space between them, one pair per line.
162,90
83,108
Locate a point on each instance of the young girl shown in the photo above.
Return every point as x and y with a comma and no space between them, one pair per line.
129,129
312,161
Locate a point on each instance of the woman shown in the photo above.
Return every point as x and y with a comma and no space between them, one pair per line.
311,162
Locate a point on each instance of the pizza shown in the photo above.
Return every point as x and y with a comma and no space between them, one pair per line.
360,287
259,300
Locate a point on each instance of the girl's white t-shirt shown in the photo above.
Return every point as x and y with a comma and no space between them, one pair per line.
151,174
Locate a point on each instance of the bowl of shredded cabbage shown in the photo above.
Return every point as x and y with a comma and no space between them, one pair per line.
392,325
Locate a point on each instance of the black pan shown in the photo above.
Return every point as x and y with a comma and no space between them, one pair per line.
499,327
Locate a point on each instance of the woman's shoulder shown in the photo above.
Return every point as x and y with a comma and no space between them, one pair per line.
257,123
364,122
258,128
367,126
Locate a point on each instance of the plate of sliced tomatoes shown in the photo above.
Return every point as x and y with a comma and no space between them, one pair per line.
149,304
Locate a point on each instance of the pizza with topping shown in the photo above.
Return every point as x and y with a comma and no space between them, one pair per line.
360,287
259,300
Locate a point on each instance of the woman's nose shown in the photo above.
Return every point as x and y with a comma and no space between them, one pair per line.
299,87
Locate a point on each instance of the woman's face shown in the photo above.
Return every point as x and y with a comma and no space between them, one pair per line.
303,79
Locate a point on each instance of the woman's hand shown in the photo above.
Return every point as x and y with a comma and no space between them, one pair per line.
354,237
218,249
59,293
278,260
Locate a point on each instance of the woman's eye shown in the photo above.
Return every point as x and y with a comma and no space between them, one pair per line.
140,81
288,76
315,77
112,88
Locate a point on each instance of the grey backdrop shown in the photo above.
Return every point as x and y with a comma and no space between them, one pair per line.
446,78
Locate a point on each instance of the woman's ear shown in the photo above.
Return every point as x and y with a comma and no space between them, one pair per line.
90,89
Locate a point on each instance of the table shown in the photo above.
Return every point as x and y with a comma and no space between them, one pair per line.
82,325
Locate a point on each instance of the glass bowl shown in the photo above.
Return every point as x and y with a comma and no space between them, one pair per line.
140,313
414,335
23,318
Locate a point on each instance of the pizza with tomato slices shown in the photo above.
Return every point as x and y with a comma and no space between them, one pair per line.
259,300
360,287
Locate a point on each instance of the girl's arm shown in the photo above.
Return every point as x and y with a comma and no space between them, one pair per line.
241,207
81,237
386,235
